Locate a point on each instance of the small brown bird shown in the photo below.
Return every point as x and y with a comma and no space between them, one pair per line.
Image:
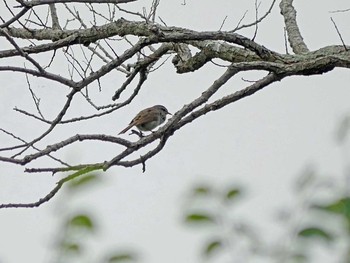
148,119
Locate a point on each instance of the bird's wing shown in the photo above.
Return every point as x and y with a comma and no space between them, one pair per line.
144,116
147,115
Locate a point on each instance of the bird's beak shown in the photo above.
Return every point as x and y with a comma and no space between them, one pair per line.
169,113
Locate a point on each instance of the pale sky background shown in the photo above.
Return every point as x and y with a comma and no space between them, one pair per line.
262,143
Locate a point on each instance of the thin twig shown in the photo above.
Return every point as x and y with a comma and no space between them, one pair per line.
222,23
54,191
340,11
285,40
52,126
36,100
35,148
256,20
23,54
340,36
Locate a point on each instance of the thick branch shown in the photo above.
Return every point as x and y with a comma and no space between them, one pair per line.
155,34
45,2
294,36
54,17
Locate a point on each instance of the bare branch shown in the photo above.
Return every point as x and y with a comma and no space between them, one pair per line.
52,126
257,20
20,51
36,100
77,138
15,18
95,46
53,192
341,38
340,11
33,3
155,34
54,17
37,149
41,201
142,65
294,36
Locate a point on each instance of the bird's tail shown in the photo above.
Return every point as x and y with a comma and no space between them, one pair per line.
126,129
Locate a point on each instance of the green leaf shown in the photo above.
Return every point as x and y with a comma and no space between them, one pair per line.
341,206
79,173
299,258
121,257
315,232
232,193
199,218
202,190
306,179
212,247
83,181
71,247
81,221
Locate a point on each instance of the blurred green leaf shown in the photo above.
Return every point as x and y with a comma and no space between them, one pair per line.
306,179
199,218
202,190
71,247
122,257
343,129
212,247
315,232
341,206
299,258
83,181
232,193
79,173
81,221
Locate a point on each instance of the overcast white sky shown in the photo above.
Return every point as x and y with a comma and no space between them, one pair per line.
262,143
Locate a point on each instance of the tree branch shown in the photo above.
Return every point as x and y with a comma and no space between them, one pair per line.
33,3
294,36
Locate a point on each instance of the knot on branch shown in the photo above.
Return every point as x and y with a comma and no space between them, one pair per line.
185,62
